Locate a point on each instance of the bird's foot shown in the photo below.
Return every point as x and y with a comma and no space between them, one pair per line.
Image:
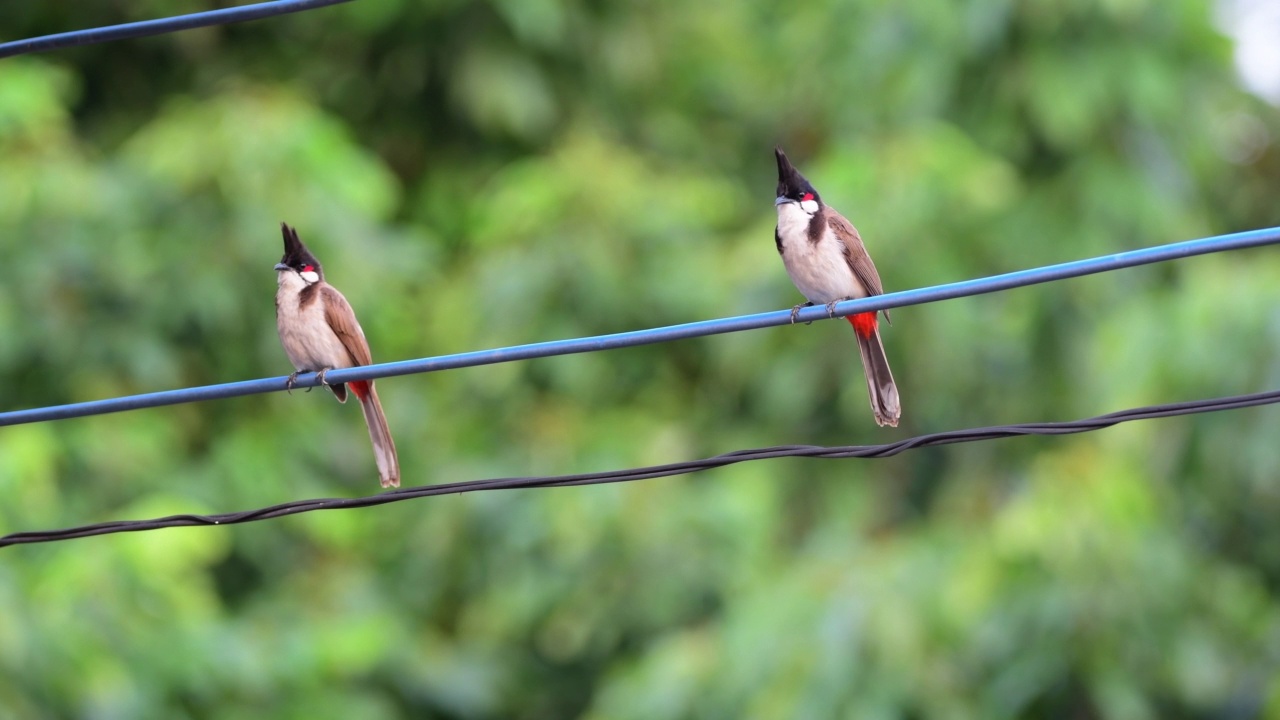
795,312
320,377
293,380
831,307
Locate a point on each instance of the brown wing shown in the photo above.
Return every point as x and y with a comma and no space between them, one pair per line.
342,319
855,253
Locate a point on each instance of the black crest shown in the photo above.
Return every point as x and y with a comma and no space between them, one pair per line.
791,183
296,255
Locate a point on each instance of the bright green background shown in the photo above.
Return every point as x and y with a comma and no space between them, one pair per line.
479,174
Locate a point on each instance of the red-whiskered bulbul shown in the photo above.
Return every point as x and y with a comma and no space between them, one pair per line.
827,261
320,332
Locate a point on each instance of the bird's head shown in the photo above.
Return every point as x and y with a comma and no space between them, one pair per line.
297,258
793,188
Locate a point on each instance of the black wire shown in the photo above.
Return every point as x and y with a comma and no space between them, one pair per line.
144,28
654,471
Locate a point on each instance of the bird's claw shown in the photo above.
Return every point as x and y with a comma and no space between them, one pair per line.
831,308
293,380
320,378
795,312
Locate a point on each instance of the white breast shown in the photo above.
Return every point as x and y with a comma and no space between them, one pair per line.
818,270
304,332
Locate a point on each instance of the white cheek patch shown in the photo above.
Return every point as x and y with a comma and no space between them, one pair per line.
310,276
809,206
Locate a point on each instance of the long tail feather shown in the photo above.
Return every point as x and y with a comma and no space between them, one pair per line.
384,448
884,393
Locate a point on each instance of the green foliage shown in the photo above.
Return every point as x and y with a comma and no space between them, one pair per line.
482,174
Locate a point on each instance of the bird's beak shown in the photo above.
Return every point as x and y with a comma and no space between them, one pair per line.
282,266
782,200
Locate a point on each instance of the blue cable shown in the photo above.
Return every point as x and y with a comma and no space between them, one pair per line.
157,27
995,283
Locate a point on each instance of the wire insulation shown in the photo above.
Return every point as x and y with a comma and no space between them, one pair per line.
654,471
593,344
157,27
597,343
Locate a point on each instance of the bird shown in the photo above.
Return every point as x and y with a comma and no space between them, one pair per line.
826,260
319,332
